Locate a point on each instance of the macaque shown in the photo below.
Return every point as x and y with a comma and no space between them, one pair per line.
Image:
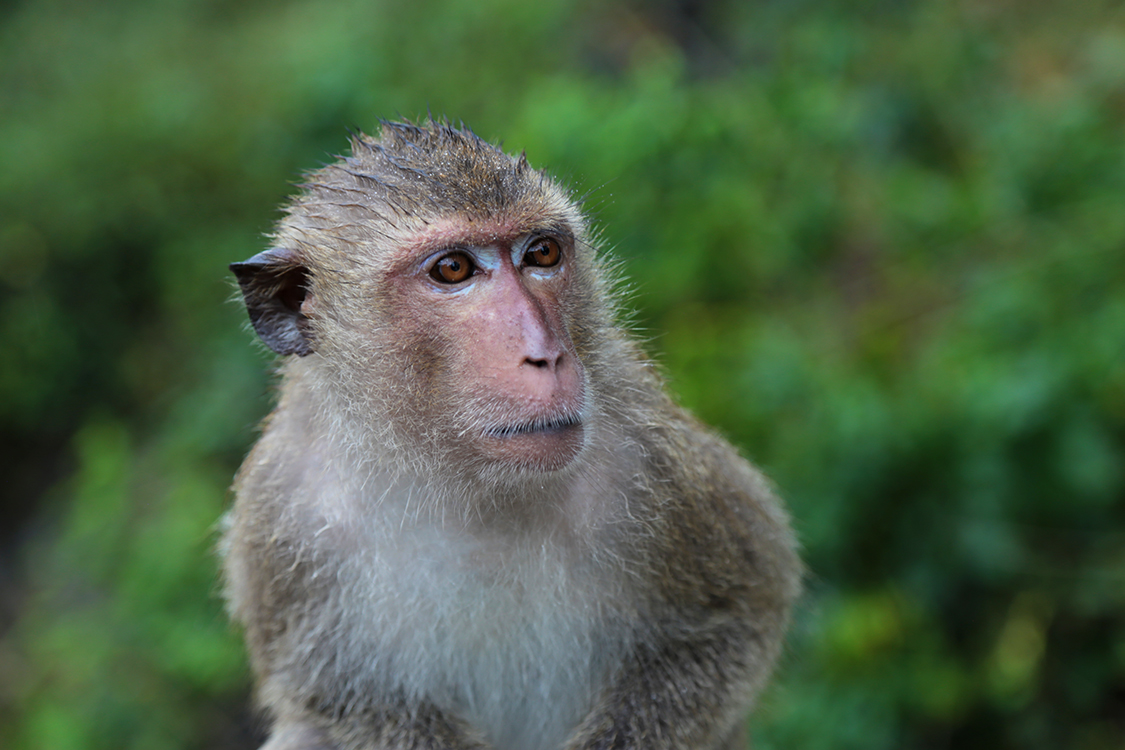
475,519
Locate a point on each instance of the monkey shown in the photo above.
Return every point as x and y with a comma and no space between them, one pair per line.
474,519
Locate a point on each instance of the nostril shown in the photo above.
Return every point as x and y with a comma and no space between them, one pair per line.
541,364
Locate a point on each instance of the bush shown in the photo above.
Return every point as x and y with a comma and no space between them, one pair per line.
882,251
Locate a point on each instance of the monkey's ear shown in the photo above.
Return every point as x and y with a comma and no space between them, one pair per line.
274,283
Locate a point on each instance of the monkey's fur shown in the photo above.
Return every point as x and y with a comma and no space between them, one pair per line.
405,577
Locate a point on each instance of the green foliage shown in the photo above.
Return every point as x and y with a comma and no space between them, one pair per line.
881,246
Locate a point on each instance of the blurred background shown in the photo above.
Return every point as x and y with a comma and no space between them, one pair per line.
879,245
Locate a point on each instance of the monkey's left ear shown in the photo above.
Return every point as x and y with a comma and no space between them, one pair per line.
274,283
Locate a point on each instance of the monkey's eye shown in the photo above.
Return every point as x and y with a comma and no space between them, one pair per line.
453,268
544,253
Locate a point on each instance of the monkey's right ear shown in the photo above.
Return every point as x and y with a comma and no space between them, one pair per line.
274,283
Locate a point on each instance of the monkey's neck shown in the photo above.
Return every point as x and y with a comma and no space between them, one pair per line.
352,465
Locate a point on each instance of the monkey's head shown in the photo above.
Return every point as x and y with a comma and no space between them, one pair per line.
439,297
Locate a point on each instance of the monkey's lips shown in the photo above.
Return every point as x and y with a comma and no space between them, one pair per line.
546,444
558,424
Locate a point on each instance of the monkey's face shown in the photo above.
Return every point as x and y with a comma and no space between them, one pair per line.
444,303
486,312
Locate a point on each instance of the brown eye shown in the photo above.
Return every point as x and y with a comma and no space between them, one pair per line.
452,269
544,253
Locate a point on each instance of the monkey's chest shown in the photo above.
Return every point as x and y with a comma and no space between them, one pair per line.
517,648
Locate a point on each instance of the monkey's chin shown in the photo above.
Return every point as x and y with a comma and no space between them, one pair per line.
545,447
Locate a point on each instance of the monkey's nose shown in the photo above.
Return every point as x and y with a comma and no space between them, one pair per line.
545,363
549,376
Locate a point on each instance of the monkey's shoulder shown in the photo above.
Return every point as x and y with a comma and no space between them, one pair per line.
724,541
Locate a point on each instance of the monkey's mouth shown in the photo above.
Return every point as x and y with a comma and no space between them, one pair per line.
536,427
